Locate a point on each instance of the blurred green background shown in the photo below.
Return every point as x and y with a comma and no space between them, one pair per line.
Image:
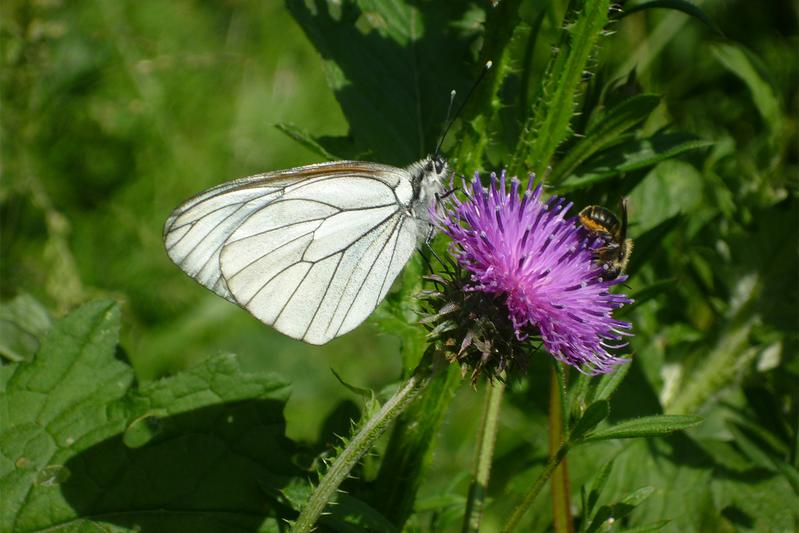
115,112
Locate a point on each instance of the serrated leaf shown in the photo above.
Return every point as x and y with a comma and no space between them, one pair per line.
627,157
81,447
596,413
646,426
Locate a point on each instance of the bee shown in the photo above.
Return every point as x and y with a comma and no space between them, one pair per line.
602,223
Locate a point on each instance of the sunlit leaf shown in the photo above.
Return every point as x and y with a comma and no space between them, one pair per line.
647,426
81,443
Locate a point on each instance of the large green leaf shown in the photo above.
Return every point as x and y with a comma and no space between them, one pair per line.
383,60
82,447
696,491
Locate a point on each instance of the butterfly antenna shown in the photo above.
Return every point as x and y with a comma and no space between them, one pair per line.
446,122
451,118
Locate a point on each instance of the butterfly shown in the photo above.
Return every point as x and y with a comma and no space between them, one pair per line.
311,250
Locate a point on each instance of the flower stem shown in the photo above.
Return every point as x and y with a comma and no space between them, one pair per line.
561,504
543,477
409,449
362,442
484,455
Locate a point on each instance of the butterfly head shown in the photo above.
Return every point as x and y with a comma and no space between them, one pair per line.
435,167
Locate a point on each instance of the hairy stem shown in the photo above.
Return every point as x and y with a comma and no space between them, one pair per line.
409,449
362,443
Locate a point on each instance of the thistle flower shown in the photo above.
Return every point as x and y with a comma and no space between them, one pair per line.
540,267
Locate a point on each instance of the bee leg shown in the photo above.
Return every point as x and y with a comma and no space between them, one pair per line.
606,253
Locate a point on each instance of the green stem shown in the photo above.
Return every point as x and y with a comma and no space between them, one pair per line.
361,443
485,453
548,124
543,477
409,449
558,420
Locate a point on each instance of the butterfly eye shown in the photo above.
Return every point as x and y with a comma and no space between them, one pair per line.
439,165
429,166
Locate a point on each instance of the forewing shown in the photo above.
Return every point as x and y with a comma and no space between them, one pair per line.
316,278
311,251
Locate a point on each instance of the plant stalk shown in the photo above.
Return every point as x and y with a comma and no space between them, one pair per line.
560,486
362,442
485,453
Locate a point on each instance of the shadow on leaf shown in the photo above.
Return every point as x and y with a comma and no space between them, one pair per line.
219,468
383,60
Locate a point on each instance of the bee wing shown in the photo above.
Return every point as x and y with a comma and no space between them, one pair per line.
310,251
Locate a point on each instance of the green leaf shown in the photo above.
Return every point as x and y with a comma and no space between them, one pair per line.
23,321
371,402
605,132
596,413
646,426
306,140
548,125
743,64
597,485
382,59
627,157
620,509
610,382
355,515
502,33
648,242
649,292
82,448
634,499
677,5
654,526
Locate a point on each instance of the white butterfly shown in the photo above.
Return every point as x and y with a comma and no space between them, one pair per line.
310,250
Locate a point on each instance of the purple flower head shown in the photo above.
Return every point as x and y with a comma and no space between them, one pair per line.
541,264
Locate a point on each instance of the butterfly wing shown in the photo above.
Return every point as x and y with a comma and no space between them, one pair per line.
310,251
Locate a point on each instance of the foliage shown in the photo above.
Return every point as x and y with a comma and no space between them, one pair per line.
114,112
